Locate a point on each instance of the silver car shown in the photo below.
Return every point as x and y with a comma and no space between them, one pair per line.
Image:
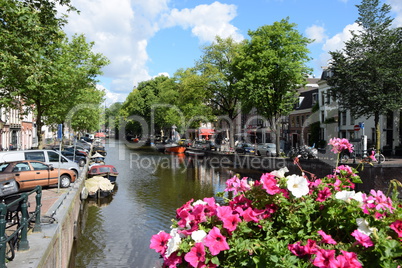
268,149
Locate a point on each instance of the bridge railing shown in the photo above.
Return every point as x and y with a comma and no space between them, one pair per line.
14,213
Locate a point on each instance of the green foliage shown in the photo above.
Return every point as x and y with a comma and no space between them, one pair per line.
41,69
366,74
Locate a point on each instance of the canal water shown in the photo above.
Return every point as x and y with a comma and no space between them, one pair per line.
116,231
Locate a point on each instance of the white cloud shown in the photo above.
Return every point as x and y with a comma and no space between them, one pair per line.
337,42
396,6
205,21
121,33
317,33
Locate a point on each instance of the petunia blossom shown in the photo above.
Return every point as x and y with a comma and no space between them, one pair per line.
324,258
196,255
215,241
198,236
297,185
159,242
397,227
363,226
173,242
326,238
362,239
323,195
269,183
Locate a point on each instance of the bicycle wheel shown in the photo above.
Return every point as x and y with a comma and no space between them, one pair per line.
10,248
380,158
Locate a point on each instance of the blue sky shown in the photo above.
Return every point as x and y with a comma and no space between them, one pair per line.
146,38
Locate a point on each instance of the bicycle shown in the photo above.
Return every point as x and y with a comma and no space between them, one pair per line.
375,157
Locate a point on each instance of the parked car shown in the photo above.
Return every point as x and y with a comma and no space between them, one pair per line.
24,175
204,145
245,148
268,149
80,159
49,157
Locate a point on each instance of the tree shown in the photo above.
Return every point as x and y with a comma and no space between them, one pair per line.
366,76
42,70
217,69
271,68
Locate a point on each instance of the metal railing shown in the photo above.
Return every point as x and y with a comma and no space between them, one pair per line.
14,212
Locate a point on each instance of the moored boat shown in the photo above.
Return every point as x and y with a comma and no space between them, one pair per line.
174,148
107,171
98,186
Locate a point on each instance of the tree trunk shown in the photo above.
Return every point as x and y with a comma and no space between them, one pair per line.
39,125
377,132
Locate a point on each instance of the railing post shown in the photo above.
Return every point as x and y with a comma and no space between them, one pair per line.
23,243
38,226
3,238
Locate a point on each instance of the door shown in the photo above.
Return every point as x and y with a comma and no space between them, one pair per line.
43,174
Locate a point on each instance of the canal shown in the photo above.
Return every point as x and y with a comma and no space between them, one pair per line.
116,231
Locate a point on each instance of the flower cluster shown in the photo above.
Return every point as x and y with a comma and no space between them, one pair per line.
338,145
287,221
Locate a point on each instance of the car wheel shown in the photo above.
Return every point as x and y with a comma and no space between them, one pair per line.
65,181
258,153
81,162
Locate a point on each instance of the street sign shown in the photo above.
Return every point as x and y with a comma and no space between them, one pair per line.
357,127
361,125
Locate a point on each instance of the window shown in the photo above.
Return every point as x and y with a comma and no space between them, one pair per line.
38,156
54,157
322,117
352,119
344,118
21,167
3,166
39,166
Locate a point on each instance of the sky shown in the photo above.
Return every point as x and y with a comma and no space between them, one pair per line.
147,38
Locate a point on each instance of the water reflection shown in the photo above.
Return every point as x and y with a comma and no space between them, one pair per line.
117,232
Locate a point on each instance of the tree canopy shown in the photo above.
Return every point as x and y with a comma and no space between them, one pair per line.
270,68
42,70
366,75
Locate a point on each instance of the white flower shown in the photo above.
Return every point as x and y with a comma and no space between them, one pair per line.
298,185
347,195
173,242
280,173
198,236
363,226
200,202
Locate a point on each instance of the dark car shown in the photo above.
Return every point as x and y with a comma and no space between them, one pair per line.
27,174
245,148
79,158
204,145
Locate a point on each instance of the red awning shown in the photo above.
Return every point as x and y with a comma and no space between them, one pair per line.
206,131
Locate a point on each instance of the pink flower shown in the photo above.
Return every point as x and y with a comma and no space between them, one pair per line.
215,241
362,239
159,242
172,261
397,227
326,238
372,156
323,194
300,251
351,259
236,185
325,258
269,183
196,256
338,145
250,215
229,219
